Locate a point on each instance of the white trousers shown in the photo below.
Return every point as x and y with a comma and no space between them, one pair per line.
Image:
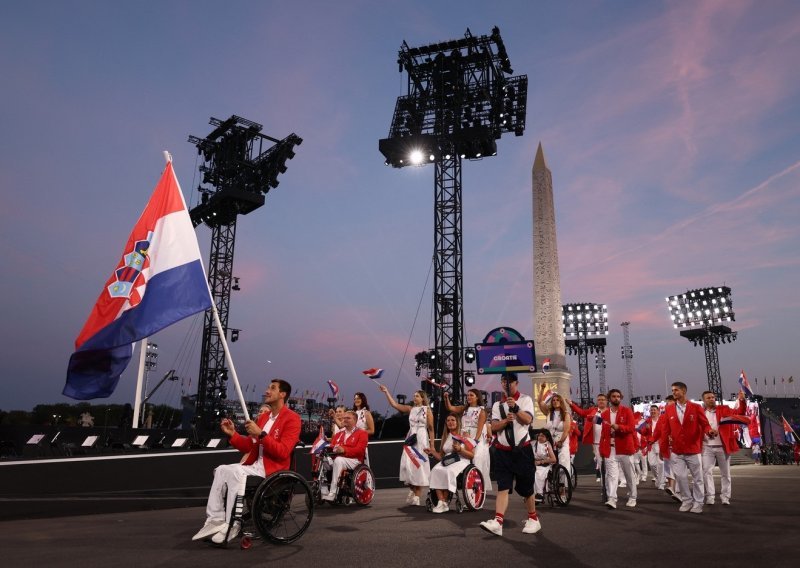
613,465
657,466
682,465
340,464
229,481
716,455
542,471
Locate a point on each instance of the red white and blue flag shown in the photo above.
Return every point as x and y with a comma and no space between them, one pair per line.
745,384
641,425
546,365
334,389
320,443
466,442
158,281
735,419
373,373
548,396
788,431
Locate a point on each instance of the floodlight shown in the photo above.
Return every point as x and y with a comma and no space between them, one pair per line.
585,327
469,379
415,157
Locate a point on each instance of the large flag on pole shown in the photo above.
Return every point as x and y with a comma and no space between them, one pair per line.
745,384
158,281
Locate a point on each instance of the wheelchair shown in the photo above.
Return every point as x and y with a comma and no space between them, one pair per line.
470,491
558,486
279,507
355,485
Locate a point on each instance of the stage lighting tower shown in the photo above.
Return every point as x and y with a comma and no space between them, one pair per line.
701,315
240,166
585,327
460,99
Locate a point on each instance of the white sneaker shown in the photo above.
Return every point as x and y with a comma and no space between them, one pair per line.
410,496
415,501
685,507
219,538
696,509
441,507
623,483
329,497
210,528
611,504
532,526
493,527
631,503
709,500
726,501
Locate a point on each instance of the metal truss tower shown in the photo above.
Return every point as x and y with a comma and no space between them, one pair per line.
627,355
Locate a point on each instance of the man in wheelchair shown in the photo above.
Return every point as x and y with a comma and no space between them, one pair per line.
267,448
349,446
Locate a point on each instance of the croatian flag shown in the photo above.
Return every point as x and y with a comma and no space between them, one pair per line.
546,365
548,396
745,384
641,425
735,419
373,373
334,388
463,441
320,443
158,281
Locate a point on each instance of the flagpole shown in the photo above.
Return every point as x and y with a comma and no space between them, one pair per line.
229,359
139,379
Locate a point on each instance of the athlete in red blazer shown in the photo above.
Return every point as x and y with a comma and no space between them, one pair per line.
727,432
355,446
687,437
588,415
624,440
278,445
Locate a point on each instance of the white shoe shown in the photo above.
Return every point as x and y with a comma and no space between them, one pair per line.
219,538
441,507
709,500
532,526
685,507
329,497
414,501
623,484
611,504
210,528
493,527
410,497
726,501
631,503
696,509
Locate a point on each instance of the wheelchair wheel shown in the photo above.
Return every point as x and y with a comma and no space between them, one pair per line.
362,485
473,491
573,477
560,485
283,507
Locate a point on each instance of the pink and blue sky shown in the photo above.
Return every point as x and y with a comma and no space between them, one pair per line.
672,130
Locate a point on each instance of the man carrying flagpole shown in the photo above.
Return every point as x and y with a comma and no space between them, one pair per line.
268,448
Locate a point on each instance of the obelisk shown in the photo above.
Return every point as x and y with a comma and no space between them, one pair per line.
548,327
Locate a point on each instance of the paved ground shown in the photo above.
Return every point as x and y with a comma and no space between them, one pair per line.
761,526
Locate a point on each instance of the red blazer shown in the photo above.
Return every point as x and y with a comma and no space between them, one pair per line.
657,433
588,415
573,438
355,446
727,432
278,445
687,438
624,439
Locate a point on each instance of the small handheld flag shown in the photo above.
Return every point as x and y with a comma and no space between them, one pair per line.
641,425
434,383
320,443
463,441
373,373
334,389
745,384
734,419
546,365
548,396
